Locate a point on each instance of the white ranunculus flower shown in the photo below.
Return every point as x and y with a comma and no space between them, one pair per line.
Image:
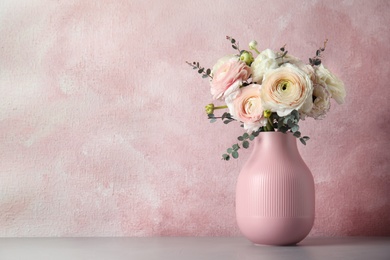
265,61
307,106
334,84
286,89
299,63
321,103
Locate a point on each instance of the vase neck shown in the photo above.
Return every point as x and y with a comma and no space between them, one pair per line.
274,144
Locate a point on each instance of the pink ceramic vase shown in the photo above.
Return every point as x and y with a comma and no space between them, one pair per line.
275,192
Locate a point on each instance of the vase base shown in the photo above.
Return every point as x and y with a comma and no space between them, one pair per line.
264,245
287,231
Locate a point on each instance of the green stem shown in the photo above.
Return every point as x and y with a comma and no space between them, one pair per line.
220,107
269,127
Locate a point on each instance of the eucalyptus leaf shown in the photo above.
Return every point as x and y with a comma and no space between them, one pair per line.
225,115
236,147
246,136
240,138
283,129
280,122
295,113
295,128
245,144
235,154
226,157
297,134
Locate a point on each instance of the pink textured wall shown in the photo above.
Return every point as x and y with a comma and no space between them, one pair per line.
102,127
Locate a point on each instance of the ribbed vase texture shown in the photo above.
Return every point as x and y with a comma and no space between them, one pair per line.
275,192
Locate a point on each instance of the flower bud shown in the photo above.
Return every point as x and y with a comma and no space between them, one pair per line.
246,57
209,109
253,45
267,113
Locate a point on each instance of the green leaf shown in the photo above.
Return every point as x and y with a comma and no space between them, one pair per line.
297,134
208,71
240,138
233,41
230,150
280,122
283,129
200,70
245,144
302,140
246,136
235,154
234,47
226,157
251,137
295,128
213,120
295,114
236,147
306,138
205,76
225,115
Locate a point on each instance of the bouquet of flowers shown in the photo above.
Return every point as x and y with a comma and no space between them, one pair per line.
269,92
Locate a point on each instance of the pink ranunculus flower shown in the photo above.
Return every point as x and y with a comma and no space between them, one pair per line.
222,61
247,108
228,78
266,60
286,89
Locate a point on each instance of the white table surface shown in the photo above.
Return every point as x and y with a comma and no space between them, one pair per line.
190,248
